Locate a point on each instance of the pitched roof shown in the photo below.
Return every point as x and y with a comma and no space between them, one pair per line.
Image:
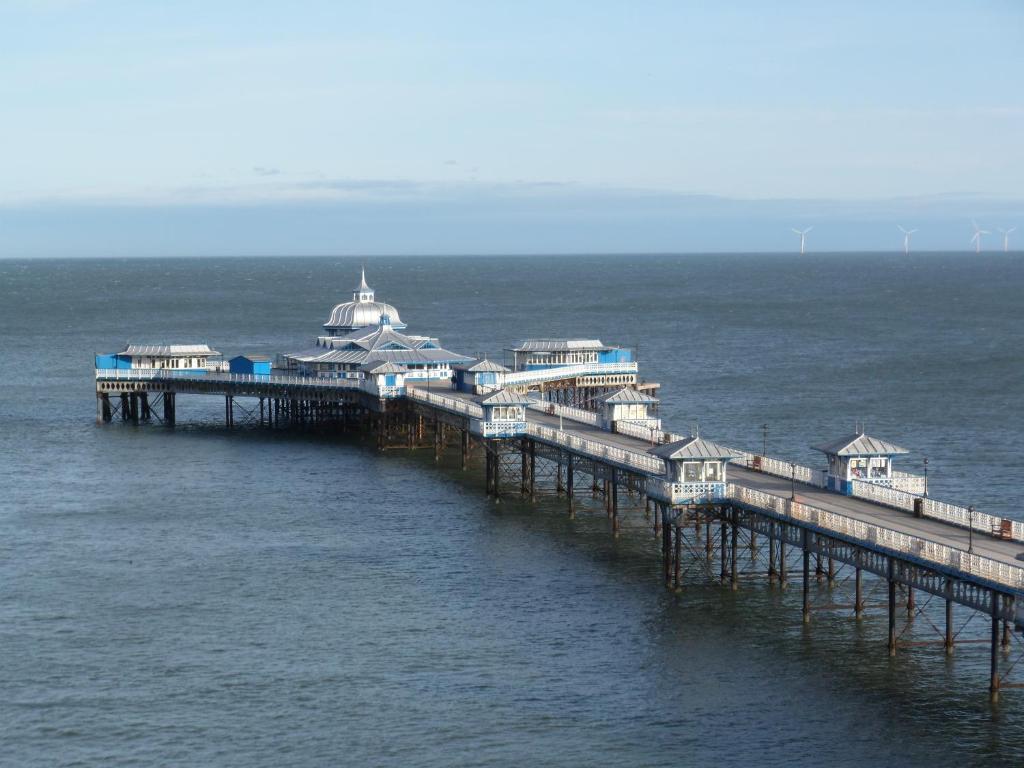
483,366
628,395
859,444
168,350
693,448
382,367
253,358
502,397
561,345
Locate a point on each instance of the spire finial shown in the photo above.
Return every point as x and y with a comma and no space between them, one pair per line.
362,280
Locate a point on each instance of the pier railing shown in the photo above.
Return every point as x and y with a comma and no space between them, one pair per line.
164,374
565,372
915,546
899,498
454,404
594,449
566,411
940,510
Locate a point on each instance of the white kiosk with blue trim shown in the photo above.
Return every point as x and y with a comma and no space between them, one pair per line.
861,458
628,406
694,471
504,414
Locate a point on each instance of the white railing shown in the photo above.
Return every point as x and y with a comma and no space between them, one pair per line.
498,428
781,468
566,411
679,492
448,403
908,483
651,435
565,372
923,549
597,450
162,374
940,510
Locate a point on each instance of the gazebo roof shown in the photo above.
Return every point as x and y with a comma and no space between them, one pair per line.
859,444
482,366
382,366
502,397
627,395
693,448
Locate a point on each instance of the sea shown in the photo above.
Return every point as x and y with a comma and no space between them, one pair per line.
199,596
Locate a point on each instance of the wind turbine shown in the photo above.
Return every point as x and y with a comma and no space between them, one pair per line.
803,238
978,232
906,238
1006,237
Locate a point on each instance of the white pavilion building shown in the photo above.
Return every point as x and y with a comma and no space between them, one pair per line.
364,332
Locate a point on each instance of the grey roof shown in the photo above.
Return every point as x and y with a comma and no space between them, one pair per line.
502,397
362,356
382,367
859,444
372,337
693,448
254,358
169,350
483,366
628,395
359,314
411,356
561,345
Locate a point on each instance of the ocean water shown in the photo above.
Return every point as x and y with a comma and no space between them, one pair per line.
202,597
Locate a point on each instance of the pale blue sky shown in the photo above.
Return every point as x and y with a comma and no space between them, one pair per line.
304,117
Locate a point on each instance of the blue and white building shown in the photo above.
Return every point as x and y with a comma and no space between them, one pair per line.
182,358
628,406
859,458
694,471
479,376
535,354
504,414
250,365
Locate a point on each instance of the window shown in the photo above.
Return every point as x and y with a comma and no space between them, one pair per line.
691,472
713,471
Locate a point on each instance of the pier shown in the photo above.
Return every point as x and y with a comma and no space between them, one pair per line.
572,419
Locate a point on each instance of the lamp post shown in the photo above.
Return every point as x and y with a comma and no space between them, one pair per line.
764,445
970,530
926,477
792,480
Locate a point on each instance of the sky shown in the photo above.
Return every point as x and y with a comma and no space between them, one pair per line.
192,128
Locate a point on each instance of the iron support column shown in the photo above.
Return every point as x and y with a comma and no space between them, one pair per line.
892,608
807,576
993,685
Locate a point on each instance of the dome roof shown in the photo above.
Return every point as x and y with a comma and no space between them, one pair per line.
359,314
362,311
